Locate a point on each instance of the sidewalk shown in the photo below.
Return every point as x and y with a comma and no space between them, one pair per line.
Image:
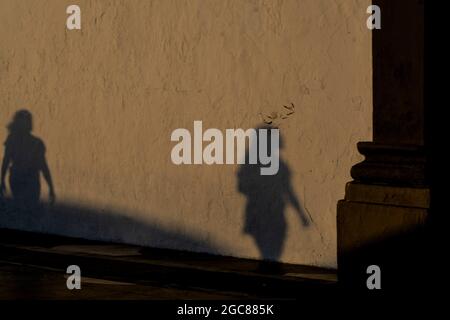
162,267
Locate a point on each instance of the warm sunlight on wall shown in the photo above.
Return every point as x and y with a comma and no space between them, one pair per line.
106,98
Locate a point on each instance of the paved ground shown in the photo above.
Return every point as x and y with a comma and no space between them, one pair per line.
33,266
19,281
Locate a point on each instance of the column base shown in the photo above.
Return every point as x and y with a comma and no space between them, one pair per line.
384,226
403,165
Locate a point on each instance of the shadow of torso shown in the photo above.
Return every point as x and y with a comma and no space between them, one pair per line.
266,201
27,154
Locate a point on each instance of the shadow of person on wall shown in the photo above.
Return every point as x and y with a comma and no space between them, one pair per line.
24,158
267,198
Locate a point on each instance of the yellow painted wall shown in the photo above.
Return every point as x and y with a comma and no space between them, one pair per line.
106,98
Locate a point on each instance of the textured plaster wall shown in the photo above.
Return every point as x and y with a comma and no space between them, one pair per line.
106,99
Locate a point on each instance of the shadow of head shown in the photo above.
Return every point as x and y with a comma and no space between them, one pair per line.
22,122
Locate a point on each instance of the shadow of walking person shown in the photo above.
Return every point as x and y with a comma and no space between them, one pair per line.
267,198
24,158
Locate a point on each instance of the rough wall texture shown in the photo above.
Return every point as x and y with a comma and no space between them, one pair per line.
105,100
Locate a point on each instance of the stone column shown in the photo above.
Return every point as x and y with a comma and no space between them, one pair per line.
386,205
